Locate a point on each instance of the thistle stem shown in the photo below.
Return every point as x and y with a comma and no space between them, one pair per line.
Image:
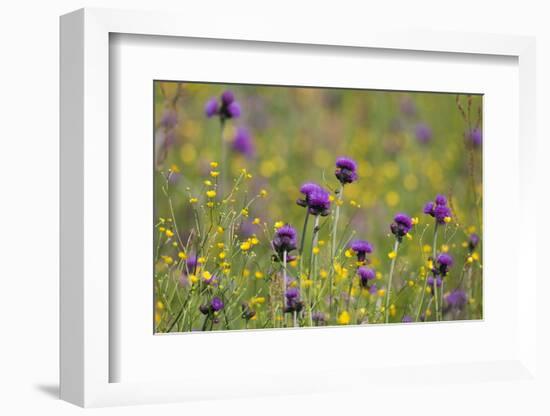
312,266
434,253
304,231
336,218
388,292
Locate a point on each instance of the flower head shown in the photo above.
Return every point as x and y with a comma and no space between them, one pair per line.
407,319
444,262
366,274
438,209
318,202
293,302
456,299
475,137
225,108
361,247
473,241
284,239
318,318
216,304
242,142
401,225
423,133
306,189
346,170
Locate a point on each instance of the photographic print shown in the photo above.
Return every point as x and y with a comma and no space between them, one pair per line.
292,207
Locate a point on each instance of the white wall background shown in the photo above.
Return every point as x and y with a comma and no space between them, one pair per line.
29,184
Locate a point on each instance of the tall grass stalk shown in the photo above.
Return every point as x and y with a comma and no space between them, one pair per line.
388,292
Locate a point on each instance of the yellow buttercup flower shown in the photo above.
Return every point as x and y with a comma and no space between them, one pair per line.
208,183
447,219
258,275
213,165
169,233
214,173
182,255
279,224
193,200
256,221
392,254
263,193
344,318
244,212
210,204
245,246
211,194
316,250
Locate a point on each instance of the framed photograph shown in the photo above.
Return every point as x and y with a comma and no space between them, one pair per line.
274,214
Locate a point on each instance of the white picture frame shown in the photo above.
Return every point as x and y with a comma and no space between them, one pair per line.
86,349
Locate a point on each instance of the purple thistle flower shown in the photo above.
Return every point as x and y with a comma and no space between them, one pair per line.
226,108
346,170
457,299
293,302
423,133
366,274
318,202
228,97
242,142
407,319
475,137
373,289
233,110
440,199
401,226
191,263
284,240
444,262
211,108
216,304
306,189
438,281
318,317
361,247
292,293
438,209
473,241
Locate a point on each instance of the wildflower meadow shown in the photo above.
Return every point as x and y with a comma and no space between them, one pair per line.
287,207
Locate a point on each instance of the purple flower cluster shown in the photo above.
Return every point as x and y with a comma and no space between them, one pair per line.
473,241
457,299
366,276
226,108
346,170
242,142
401,226
423,133
361,248
440,269
284,240
438,209
475,137
316,199
293,302
216,305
